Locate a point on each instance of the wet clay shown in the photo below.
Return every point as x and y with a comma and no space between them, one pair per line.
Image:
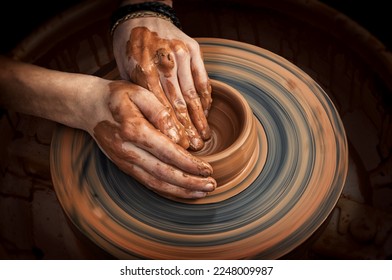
155,69
234,148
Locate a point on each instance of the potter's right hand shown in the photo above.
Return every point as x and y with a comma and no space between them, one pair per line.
125,132
155,54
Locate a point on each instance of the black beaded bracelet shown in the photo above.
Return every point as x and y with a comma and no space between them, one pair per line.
156,7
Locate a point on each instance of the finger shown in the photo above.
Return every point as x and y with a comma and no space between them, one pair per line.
200,76
178,103
195,108
163,188
172,89
110,138
149,105
128,161
165,63
165,172
148,78
158,144
136,129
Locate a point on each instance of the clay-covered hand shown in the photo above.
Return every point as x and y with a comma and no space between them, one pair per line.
132,129
127,121
155,54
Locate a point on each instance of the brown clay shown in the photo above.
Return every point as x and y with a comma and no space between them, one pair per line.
234,145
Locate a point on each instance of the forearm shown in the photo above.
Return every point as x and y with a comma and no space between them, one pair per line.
58,96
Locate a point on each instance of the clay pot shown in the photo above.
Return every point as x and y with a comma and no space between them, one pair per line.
234,145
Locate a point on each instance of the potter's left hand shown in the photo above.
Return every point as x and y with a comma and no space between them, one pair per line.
131,127
153,53
127,121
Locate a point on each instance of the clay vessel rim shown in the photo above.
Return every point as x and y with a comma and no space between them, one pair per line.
248,116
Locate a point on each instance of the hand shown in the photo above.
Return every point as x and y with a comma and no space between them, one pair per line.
127,121
158,56
125,132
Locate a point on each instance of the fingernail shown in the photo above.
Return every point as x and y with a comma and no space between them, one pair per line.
172,133
199,194
205,169
209,187
196,144
206,133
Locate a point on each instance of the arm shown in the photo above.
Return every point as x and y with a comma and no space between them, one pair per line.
155,54
124,119
54,95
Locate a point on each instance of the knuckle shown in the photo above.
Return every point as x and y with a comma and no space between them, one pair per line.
181,52
141,71
163,114
193,45
179,103
195,104
190,93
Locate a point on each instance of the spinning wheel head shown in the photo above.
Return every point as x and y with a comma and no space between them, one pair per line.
293,160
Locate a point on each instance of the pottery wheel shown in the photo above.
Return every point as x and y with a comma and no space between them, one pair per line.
300,181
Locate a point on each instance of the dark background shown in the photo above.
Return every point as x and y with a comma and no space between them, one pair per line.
19,18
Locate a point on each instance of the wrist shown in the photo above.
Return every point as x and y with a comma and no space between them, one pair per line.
143,9
91,103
